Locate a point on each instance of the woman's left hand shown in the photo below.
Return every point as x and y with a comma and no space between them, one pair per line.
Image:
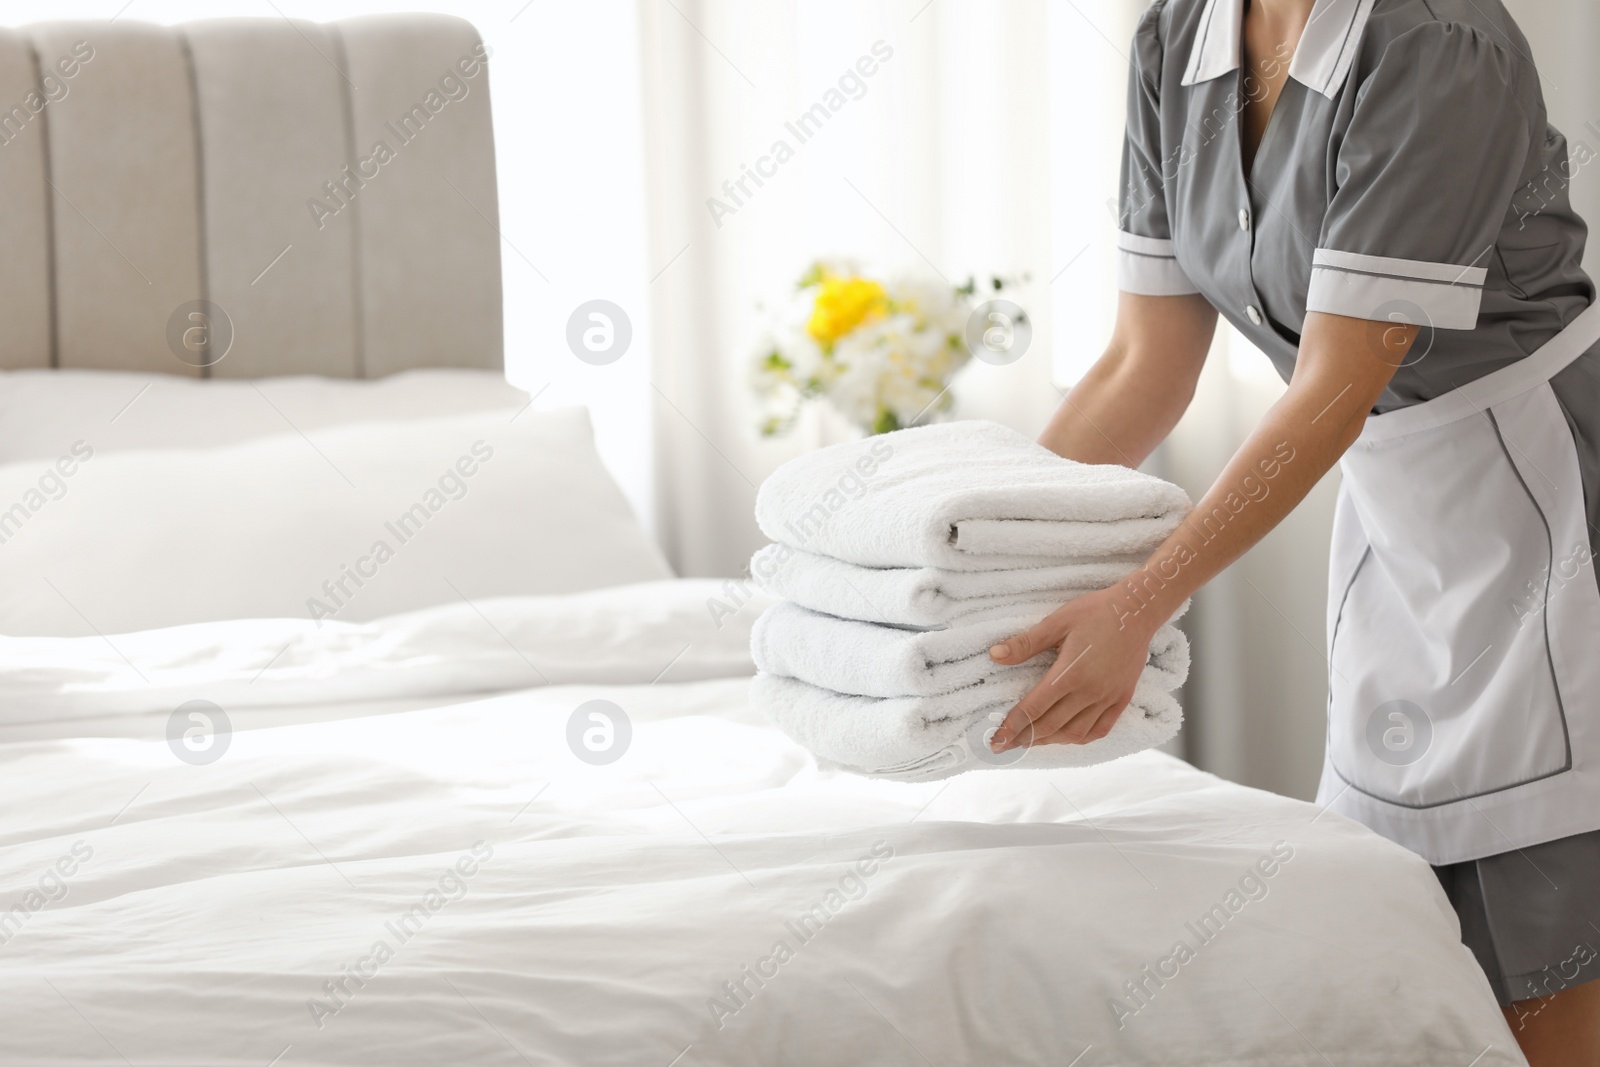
1101,649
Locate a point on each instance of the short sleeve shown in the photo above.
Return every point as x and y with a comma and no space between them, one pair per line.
1145,260
1426,173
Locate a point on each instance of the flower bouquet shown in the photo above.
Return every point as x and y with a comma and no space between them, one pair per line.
880,353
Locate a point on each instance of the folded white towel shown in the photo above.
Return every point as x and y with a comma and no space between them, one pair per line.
963,496
920,596
867,659
924,738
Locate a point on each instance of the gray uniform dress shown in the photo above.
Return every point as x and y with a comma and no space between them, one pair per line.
1408,174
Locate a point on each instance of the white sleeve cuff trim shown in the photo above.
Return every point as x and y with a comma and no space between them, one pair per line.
1145,246
1146,266
1152,275
1383,298
1413,269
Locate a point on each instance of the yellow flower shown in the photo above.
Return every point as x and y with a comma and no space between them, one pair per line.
842,304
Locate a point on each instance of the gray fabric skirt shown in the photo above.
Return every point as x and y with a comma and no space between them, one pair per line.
1531,917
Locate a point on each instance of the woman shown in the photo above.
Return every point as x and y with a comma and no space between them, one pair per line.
1369,191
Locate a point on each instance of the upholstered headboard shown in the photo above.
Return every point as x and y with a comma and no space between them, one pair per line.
323,193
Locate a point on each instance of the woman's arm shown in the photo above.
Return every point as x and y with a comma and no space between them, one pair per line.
1103,638
1135,394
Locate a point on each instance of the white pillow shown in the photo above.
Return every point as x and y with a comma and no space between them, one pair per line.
351,523
42,412
626,635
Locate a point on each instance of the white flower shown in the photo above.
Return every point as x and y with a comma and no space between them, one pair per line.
886,371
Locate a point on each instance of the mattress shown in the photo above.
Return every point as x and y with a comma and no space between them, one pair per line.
499,877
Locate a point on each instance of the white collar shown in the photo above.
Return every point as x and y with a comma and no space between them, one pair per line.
1321,62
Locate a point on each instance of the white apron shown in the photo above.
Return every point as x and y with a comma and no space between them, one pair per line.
1464,620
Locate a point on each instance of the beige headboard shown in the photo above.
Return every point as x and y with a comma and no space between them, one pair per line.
329,187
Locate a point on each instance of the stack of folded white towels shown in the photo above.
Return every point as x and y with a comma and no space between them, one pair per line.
902,558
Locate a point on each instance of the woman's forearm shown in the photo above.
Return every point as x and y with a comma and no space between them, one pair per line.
1116,413
1342,368
1136,393
1298,441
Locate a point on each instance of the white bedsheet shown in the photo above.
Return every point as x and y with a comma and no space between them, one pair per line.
207,906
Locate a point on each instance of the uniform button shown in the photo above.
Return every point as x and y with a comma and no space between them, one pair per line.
1255,316
1244,219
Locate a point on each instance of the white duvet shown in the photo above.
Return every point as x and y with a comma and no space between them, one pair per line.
453,884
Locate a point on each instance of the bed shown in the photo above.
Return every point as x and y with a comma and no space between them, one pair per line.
271,796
